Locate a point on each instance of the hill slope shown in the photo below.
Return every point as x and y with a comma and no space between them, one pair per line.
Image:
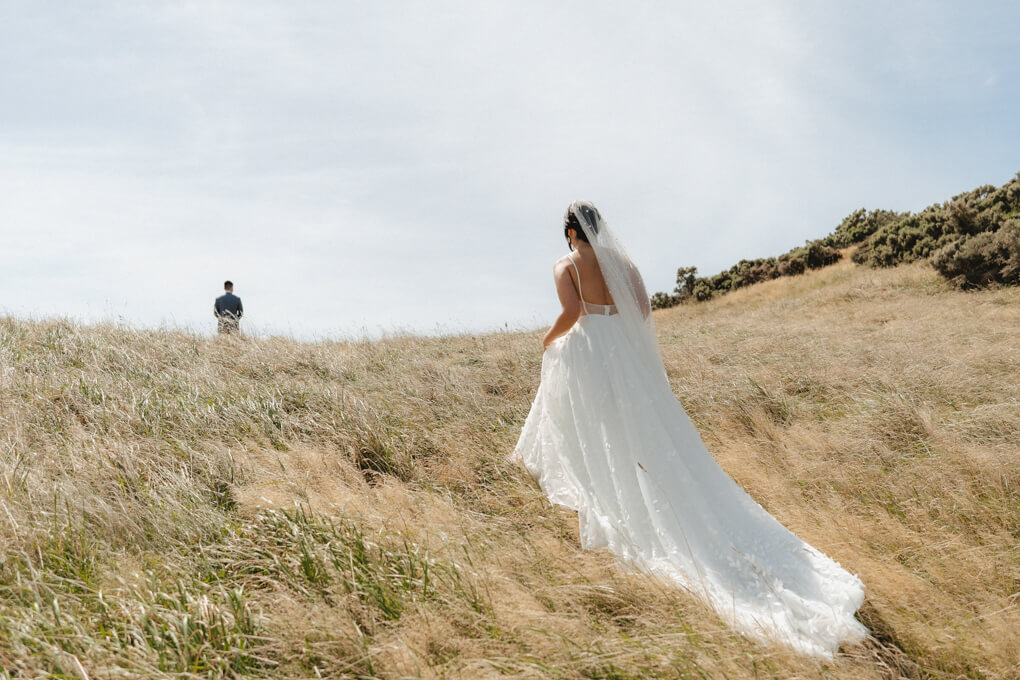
174,505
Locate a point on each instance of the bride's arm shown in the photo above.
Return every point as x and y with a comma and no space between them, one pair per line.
568,299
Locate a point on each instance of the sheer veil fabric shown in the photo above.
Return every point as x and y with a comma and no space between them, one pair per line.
607,437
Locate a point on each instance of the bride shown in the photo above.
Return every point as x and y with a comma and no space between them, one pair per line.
607,437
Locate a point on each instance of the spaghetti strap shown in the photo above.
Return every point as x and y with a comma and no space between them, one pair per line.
578,280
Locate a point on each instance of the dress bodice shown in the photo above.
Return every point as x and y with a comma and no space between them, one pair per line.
590,308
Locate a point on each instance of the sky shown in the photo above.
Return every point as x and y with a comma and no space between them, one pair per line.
368,168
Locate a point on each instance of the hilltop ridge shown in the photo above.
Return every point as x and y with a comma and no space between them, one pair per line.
972,240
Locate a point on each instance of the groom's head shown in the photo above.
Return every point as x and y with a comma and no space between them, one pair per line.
228,286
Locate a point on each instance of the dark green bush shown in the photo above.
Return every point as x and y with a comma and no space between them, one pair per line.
789,266
972,240
817,255
859,225
662,300
983,259
691,287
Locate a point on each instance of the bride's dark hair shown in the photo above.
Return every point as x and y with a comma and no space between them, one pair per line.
570,221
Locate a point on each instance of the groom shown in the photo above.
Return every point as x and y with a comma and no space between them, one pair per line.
228,310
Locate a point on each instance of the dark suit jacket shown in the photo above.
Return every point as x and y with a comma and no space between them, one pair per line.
228,307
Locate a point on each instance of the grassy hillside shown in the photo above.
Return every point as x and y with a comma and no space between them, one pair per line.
172,506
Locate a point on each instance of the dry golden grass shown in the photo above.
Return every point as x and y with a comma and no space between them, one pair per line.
172,506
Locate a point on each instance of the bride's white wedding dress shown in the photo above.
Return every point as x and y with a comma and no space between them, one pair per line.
607,437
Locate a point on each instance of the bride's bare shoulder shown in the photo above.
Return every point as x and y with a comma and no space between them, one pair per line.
562,263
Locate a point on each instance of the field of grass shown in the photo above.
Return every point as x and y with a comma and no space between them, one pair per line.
175,506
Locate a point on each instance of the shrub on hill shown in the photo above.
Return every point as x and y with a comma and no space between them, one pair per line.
973,241
987,258
859,225
691,287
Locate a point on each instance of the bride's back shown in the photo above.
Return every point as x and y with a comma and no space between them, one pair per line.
592,287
